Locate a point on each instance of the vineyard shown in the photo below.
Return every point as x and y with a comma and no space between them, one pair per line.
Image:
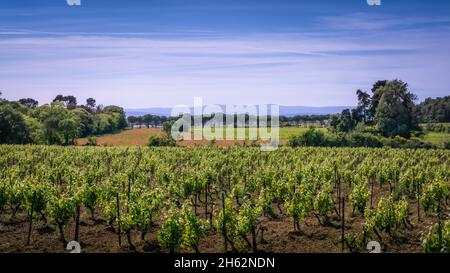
213,199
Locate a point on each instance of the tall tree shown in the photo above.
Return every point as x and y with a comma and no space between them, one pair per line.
363,105
13,129
394,112
376,96
69,101
90,102
29,102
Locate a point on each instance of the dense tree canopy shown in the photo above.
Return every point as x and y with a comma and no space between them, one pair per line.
13,129
390,110
433,110
394,113
60,122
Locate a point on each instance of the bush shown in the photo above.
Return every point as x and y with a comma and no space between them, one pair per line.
412,143
312,137
156,141
438,239
91,141
363,140
447,145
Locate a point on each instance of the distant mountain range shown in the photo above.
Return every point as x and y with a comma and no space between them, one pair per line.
284,110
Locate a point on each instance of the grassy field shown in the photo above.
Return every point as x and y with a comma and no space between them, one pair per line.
436,138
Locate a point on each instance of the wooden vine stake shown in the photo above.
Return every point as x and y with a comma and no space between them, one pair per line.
31,218
371,192
118,219
77,223
224,226
343,223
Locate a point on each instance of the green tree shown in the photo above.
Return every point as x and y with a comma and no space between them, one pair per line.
13,129
70,129
394,113
29,102
376,96
363,105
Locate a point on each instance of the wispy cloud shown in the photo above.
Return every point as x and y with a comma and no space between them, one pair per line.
289,68
371,21
161,54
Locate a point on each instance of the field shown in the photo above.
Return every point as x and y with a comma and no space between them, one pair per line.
436,138
212,199
139,137
134,137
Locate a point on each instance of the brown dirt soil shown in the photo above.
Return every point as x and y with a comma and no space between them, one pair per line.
133,137
96,236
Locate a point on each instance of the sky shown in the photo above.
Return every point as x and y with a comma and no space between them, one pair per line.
163,53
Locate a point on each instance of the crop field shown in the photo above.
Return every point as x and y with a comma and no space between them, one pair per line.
212,199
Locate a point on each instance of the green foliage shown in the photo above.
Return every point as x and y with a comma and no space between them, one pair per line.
299,205
312,137
447,145
194,229
90,197
248,217
145,208
412,143
434,194
388,216
58,123
356,139
91,141
171,232
13,129
61,209
353,243
434,110
157,141
359,194
394,112
229,216
56,181
438,239
323,201
3,196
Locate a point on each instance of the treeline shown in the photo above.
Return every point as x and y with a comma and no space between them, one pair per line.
158,121
316,138
433,110
389,110
60,122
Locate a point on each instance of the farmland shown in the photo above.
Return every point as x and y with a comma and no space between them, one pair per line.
211,199
139,137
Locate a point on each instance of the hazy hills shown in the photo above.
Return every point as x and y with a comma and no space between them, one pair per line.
284,110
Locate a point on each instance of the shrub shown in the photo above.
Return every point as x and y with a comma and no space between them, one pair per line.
156,141
447,145
91,141
437,239
412,143
363,140
312,137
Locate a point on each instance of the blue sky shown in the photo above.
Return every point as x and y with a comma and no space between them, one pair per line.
163,53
